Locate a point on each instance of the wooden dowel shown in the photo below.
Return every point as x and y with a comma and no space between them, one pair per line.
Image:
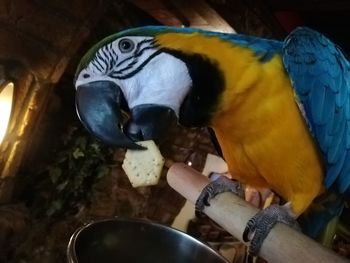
283,244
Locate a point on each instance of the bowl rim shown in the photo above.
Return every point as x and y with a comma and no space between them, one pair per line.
72,257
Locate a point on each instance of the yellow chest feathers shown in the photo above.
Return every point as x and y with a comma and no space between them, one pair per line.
266,140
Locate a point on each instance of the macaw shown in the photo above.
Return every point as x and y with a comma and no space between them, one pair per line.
280,109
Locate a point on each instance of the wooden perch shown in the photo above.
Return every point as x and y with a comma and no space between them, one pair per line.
283,244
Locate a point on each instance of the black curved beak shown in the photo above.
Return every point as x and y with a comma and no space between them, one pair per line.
99,109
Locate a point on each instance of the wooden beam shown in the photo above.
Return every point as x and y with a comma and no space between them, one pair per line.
196,13
159,11
202,15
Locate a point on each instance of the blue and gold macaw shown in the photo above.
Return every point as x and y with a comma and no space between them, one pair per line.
280,109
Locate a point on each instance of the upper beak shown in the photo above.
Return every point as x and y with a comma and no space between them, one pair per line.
99,109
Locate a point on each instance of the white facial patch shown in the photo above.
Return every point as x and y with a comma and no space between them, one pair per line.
164,80
144,73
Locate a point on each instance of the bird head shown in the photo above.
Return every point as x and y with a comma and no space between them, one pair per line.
133,72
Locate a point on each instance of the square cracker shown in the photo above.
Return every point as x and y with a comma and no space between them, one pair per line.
143,167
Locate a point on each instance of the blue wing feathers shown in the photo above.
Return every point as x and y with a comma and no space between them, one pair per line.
338,122
317,99
348,135
335,169
320,74
347,108
328,107
338,145
341,95
306,79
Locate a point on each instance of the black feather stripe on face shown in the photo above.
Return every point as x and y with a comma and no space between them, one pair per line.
208,84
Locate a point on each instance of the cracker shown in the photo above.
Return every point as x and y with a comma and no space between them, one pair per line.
143,167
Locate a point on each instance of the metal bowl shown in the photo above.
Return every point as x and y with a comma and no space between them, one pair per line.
133,240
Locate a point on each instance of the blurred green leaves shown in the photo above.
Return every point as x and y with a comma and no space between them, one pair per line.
65,183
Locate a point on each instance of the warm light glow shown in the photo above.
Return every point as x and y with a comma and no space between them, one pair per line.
6,95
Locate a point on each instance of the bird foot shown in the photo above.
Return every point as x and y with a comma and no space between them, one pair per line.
259,226
219,185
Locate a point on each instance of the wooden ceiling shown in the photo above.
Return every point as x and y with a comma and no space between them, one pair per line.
195,13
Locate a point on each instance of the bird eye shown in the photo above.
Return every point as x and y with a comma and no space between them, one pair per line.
126,45
85,76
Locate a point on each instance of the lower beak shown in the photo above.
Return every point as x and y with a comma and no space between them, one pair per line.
150,122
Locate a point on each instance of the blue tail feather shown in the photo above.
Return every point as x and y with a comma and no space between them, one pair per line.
324,208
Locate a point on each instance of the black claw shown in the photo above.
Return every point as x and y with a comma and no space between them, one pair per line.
199,207
220,185
258,240
261,225
250,228
206,200
246,234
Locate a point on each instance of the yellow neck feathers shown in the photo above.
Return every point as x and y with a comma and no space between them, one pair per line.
235,62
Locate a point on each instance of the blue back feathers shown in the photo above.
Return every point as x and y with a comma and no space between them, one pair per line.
320,74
